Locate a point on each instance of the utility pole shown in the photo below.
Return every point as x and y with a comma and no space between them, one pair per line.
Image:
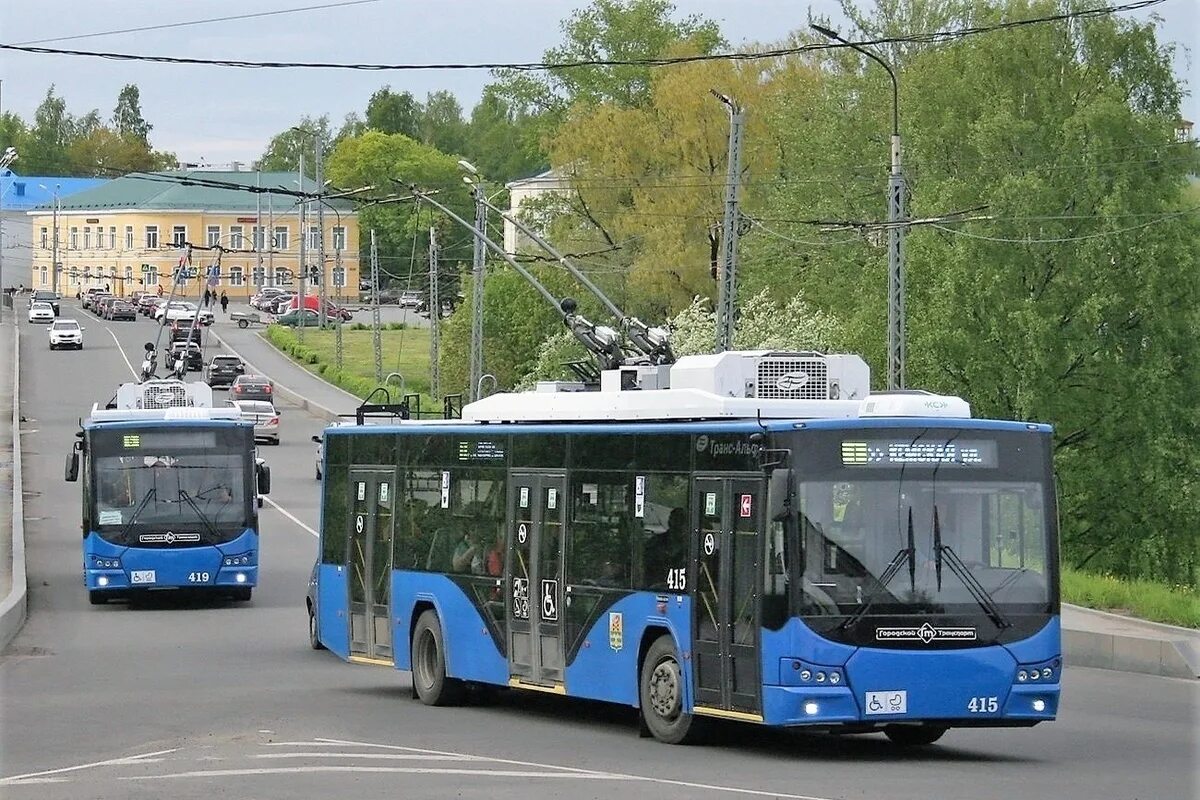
727,297
375,341
477,267
257,216
54,247
435,309
322,292
302,295
337,331
271,249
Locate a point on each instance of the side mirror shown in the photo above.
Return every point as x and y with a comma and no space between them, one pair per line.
317,439
264,479
71,473
779,494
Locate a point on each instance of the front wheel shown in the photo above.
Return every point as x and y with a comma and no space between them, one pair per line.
97,598
662,695
243,594
914,735
314,640
429,678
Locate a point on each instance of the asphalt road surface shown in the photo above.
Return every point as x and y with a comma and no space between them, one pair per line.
193,699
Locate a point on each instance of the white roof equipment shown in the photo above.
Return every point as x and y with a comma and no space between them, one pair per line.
162,399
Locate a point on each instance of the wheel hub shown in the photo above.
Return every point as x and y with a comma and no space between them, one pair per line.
664,689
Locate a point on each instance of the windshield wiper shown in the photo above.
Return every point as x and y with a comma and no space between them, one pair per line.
903,554
136,513
212,531
959,568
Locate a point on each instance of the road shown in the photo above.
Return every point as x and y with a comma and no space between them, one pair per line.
194,699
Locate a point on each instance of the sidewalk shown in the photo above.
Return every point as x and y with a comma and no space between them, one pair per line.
292,381
12,506
1090,638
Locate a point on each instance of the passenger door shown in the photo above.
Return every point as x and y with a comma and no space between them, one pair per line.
534,578
370,562
726,664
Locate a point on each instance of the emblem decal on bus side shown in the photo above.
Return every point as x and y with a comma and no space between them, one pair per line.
926,633
616,631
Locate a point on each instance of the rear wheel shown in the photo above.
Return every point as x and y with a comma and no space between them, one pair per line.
914,735
662,695
429,679
97,598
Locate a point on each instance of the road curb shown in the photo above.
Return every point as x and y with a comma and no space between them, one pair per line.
13,607
289,394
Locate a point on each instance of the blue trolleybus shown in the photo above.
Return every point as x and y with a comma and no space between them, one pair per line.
169,494
763,541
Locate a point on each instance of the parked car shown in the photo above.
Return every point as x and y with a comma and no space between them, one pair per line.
44,296
195,356
121,309
183,328
264,416
299,318
314,303
176,309
99,301
41,312
88,295
279,305
66,333
265,295
320,441
410,299
223,370
252,387
147,305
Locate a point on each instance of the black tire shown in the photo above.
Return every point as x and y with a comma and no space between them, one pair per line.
314,640
243,323
429,679
661,693
97,598
914,735
260,502
243,593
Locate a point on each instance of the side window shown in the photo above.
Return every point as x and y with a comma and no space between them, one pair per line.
476,522
420,542
664,531
600,551
335,516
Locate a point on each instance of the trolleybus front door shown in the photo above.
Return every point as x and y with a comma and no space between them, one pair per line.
726,655
370,562
534,581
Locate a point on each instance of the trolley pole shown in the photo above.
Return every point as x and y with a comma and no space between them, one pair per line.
337,331
727,297
435,308
322,291
375,335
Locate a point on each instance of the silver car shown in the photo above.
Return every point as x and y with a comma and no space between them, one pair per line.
263,415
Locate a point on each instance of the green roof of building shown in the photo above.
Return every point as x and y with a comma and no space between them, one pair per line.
194,190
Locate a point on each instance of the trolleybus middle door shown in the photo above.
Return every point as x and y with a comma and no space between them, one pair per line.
370,563
534,580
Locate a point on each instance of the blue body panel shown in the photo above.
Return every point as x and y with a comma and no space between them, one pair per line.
173,566
471,652
333,617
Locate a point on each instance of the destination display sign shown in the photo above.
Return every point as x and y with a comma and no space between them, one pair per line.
953,453
480,450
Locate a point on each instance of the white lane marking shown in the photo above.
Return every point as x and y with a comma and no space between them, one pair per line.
585,773
483,773
368,756
144,758
121,350
289,515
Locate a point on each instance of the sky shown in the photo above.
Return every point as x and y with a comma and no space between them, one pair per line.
218,115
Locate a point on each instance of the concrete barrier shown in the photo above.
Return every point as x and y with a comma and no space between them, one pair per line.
13,607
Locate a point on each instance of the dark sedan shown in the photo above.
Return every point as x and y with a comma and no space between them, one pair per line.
121,309
224,370
252,387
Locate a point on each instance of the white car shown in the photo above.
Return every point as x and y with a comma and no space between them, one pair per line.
174,310
41,312
263,415
66,333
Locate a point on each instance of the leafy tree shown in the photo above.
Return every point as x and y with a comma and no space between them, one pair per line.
392,112
442,124
502,140
50,136
127,116
283,151
104,153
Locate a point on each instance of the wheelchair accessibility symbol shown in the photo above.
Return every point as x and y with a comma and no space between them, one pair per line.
549,601
890,702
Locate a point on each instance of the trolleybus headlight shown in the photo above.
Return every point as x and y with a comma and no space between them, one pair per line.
1039,705
240,577
102,581
811,708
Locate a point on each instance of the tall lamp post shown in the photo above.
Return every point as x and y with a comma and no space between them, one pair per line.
9,156
896,228
54,243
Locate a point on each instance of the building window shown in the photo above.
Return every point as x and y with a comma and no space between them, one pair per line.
314,234
179,235
87,237
151,237
150,276
128,278
235,237
128,237
283,276
45,238
258,276
212,235
74,238
339,238
112,237
281,238
257,234
235,276
45,272
339,277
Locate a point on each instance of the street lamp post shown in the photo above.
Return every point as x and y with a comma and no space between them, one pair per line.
9,156
896,227
54,243
477,267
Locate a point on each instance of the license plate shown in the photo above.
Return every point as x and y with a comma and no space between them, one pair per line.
142,576
894,701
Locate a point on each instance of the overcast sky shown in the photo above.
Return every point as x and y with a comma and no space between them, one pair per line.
218,115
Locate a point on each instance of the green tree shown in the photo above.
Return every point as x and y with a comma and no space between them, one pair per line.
127,116
394,112
104,153
442,124
49,137
284,149
502,140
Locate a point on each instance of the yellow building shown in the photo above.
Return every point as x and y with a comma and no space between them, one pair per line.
131,232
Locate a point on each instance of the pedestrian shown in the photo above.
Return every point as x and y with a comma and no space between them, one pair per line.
207,294
160,290
224,303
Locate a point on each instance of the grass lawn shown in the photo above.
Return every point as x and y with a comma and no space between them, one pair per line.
1176,605
405,351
